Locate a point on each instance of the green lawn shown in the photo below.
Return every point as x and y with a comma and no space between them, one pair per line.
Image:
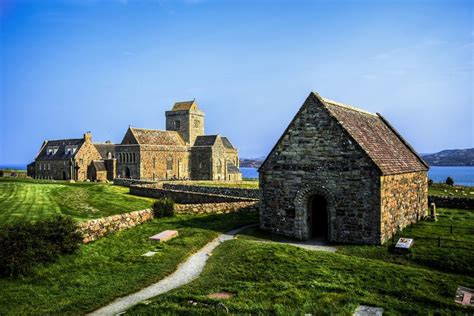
112,266
284,280
280,279
440,189
23,199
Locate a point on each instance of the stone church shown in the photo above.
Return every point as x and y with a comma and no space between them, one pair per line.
341,174
182,151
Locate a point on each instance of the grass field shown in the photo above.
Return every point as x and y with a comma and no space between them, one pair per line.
112,266
280,279
440,189
33,199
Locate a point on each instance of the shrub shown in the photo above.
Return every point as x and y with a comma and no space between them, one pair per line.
449,181
163,208
430,182
24,245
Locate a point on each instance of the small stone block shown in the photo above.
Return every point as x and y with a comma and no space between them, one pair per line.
165,235
149,254
364,310
464,296
404,243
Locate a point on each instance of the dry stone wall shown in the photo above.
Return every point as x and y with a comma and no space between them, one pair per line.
452,202
243,193
183,197
94,229
97,228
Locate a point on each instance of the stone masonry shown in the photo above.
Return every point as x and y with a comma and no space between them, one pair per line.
341,174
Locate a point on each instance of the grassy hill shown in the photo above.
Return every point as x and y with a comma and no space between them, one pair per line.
23,199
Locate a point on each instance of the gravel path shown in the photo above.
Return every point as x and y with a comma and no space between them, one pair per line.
185,273
190,270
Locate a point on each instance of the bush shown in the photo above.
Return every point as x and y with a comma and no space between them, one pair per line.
430,182
163,208
449,181
24,245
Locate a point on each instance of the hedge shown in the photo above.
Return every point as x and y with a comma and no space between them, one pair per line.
24,245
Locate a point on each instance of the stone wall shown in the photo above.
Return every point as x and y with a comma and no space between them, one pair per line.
97,228
243,193
182,197
320,160
404,200
154,162
128,182
215,208
452,202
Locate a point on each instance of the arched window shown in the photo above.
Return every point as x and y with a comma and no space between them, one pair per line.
177,124
109,155
219,166
169,163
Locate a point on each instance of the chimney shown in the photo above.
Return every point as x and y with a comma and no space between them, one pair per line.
88,137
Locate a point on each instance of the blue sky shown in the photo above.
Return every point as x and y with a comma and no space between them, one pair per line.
73,66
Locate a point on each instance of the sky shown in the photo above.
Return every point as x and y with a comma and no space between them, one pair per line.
67,67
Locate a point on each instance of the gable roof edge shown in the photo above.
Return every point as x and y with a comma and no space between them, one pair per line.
413,151
311,95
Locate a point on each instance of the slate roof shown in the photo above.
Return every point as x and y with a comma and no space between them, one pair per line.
185,106
231,168
104,148
205,140
373,133
157,137
61,145
227,143
382,143
99,165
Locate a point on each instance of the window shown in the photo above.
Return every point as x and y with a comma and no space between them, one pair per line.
197,123
49,166
81,161
169,163
70,150
177,124
109,155
51,150
219,166
154,163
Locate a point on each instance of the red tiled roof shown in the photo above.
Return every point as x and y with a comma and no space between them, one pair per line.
382,143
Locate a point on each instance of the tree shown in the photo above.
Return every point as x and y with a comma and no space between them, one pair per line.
449,181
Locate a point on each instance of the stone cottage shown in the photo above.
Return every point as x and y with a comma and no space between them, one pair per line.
341,174
71,159
182,151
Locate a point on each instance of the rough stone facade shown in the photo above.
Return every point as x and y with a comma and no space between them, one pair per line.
326,178
404,201
180,152
66,159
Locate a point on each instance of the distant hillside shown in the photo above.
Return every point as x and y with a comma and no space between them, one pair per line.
452,157
251,162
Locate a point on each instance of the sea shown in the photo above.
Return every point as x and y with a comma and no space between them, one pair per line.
460,175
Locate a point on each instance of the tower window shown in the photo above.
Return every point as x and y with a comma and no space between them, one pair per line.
169,163
177,124
197,123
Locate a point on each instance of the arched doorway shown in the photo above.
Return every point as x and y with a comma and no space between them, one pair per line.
317,210
64,175
127,172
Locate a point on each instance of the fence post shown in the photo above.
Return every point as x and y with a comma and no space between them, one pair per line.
439,241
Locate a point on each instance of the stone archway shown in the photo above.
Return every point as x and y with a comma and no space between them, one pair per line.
304,205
